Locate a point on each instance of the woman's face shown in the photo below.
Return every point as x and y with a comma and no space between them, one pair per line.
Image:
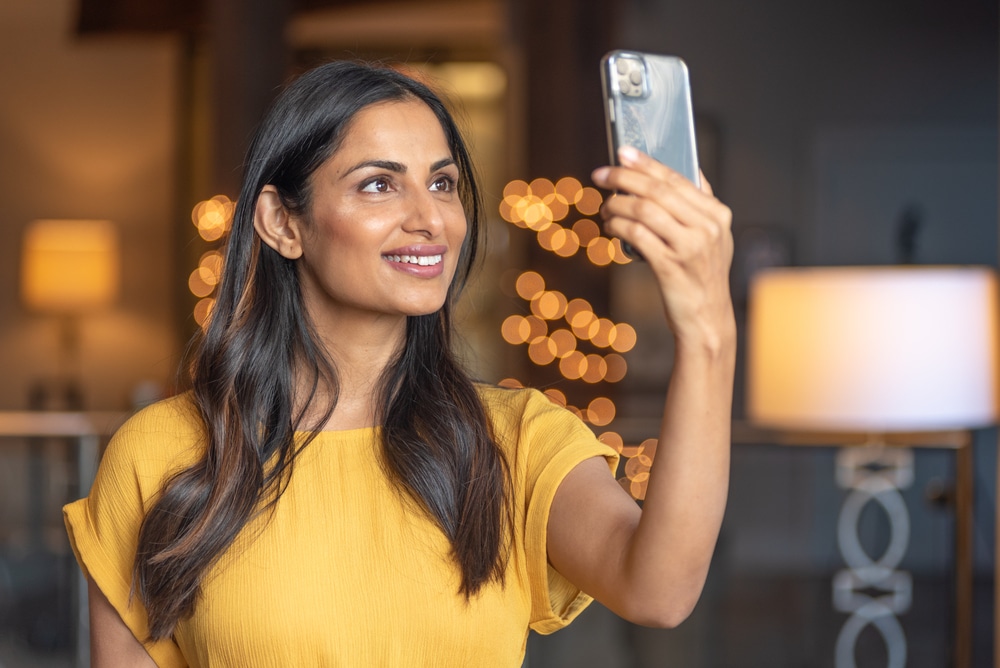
385,225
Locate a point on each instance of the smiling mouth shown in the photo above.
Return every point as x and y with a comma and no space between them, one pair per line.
422,260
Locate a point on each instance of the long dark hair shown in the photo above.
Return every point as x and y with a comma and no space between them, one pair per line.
437,443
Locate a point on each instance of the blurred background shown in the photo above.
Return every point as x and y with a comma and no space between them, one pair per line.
840,133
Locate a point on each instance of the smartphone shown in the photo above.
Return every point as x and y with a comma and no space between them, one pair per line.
648,106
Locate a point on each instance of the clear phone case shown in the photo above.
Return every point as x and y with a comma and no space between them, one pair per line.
649,107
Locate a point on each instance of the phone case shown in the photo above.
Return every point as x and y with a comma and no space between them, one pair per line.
649,107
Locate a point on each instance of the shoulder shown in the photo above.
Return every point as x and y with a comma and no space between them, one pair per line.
526,411
164,435
505,404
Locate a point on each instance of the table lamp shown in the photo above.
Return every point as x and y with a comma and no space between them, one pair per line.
69,268
878,351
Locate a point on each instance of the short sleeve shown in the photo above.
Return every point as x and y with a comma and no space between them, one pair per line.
555,441
104,527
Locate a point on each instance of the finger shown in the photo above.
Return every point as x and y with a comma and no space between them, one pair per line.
667,209
657,182
653,247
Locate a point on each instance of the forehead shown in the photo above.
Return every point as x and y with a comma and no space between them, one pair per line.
397,125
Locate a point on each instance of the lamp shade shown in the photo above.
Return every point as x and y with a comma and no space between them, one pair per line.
878,349
69,266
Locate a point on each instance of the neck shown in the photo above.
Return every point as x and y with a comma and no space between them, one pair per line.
361,347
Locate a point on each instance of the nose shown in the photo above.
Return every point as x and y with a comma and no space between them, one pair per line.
425,215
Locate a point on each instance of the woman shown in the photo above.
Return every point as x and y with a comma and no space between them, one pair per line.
334,490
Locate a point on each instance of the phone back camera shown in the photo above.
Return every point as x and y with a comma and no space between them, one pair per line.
631,76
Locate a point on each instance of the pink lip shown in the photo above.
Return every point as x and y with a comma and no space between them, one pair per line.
421,271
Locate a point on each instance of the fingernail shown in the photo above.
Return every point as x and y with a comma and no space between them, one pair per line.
600,174
628,154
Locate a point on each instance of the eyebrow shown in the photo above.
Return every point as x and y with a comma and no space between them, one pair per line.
396,167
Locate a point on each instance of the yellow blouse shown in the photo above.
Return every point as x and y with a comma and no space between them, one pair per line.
348,571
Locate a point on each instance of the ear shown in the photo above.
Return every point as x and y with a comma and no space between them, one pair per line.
276,227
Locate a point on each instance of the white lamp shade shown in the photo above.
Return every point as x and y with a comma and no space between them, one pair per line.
877,349
69,266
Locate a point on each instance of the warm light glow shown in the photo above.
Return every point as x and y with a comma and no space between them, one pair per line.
529,285
576,306
511,383
69,265
624,338
552,237
517,189
198,282
536,328
596,369
212,262
573,365
565,342
605,333
549,305
620,256
515,330
585,324
601,411
542,350
587,230
535,213
612,439
542,188
617,367
557,205
873,348
638,465
600,251
542,206
203,311
570,189
556,396
570,244
213,217
590,201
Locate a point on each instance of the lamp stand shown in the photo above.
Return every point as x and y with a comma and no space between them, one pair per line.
873,590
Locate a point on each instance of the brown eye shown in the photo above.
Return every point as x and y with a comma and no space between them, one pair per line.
376,185
443,184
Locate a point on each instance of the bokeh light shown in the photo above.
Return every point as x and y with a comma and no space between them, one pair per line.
587,230
542,351
590,201
617,368
624,338
612,439
573,365
529,285
596,369
203,311
565,342
542,206
556,396
601,411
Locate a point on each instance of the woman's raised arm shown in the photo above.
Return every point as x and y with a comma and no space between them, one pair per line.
650,566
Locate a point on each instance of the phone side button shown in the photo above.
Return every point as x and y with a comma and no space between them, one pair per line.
611,110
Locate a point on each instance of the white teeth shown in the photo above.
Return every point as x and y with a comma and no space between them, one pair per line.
422,260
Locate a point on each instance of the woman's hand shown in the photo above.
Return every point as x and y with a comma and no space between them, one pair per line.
684,233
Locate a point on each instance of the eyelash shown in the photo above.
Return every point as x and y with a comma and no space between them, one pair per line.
450,183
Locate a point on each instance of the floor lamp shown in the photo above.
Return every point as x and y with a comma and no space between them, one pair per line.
875,351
